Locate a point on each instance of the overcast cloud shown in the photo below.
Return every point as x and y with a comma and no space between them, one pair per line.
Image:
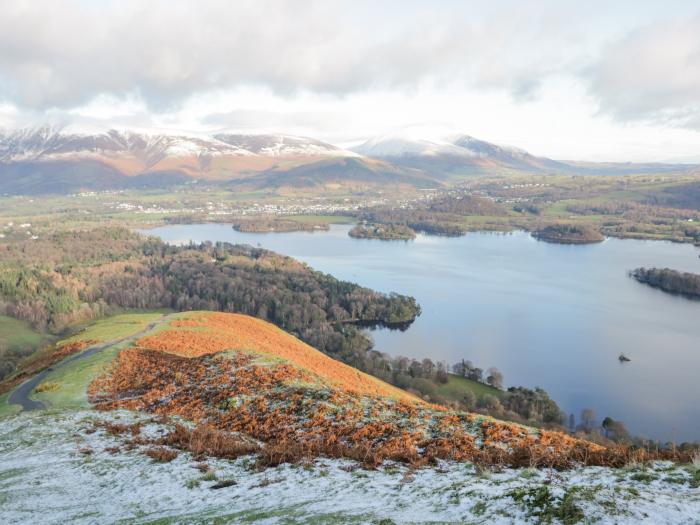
652,73
61,54
315,65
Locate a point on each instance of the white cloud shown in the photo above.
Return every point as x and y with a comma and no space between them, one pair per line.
653,73
536,75
63,54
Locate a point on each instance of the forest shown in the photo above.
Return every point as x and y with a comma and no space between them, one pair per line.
671,281
68,278
275,224
384,232
441,216
569,234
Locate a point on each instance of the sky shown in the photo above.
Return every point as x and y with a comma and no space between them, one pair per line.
595,80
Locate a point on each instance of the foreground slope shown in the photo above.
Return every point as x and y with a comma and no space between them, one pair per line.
267,429
230,373
55,468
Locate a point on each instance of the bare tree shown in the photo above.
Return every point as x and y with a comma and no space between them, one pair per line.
494,378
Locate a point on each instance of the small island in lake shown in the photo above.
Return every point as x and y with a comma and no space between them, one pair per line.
670,281
568,234
384,232
265,225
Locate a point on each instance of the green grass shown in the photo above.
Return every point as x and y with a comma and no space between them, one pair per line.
116,326
19,334
73,380
69,383
326,219
5,408
456,387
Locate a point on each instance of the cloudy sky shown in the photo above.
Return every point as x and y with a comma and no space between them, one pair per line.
594,80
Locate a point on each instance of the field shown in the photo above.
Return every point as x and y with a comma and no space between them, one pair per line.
650,206
66,386
18,334
456,386
115,326
18,340
327,219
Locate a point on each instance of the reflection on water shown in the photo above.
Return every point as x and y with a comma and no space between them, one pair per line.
555,316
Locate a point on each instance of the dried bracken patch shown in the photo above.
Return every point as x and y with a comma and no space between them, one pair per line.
206,333
207,441
290,412
161,454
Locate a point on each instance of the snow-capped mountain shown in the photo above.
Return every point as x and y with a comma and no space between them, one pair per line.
59,160
281,145
51,143
459,154
390,146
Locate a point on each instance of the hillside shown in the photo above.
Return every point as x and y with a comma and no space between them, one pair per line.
55,160
233,373
355,173
458,156
239,404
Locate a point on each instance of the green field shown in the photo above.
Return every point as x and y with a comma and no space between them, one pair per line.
116,326
71,381
327,219
5,408
18,334
68,384
456,387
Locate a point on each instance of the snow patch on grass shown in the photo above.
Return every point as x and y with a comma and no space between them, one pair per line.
55,469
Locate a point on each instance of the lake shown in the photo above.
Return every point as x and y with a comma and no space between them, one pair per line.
548,315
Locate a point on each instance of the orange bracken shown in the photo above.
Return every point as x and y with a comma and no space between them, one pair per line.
213,332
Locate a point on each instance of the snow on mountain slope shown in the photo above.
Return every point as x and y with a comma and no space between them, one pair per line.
52,143
458,154
49,143
388,146
53,159
282,145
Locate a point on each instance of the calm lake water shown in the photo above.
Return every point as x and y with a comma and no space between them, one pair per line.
555,316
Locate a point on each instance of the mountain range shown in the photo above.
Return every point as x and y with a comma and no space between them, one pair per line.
60,160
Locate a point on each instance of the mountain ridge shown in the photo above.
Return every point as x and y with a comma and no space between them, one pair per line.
53,159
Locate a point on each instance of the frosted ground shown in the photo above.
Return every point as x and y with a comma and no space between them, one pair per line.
52,471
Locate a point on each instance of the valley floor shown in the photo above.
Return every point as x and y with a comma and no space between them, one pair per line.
55,469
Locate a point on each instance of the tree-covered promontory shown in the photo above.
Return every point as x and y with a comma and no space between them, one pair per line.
671,281
67,278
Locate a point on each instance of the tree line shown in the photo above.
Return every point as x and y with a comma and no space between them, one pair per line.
67,278
671,281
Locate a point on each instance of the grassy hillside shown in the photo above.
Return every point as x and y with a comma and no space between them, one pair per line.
17,334
115,326
202,333
17,341
66,386
456,386
251,388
